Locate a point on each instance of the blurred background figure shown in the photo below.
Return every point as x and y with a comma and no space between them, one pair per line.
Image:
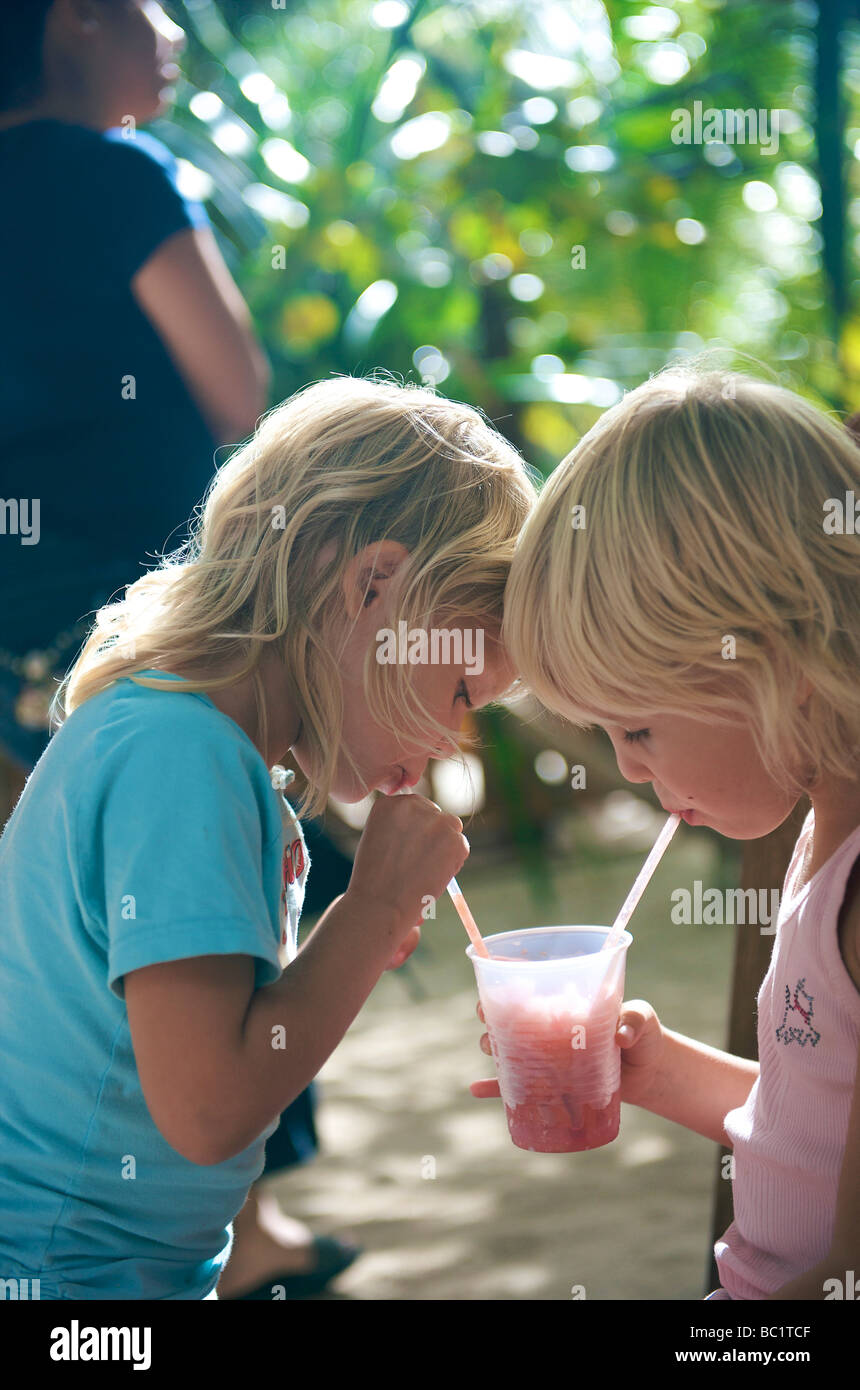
128,358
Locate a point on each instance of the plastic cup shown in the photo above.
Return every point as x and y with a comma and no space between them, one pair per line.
551,1001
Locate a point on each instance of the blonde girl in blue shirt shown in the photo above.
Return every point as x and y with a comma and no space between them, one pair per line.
151,873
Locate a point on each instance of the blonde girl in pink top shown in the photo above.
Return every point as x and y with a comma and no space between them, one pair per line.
689,582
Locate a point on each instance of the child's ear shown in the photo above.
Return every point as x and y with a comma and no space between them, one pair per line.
367,576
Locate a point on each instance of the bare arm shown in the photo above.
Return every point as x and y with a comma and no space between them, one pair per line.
292,1027
218,1061
192,301
697,1086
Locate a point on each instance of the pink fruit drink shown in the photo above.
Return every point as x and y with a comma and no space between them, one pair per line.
558,1065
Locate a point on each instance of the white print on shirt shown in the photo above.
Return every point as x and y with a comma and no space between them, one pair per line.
802,1009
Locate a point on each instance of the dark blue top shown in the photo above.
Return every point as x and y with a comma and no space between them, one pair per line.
116,479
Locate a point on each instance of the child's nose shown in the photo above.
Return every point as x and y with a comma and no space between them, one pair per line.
630,766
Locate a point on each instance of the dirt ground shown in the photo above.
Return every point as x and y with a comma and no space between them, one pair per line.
425,1178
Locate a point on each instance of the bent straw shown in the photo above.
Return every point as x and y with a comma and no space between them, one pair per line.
641,883
461,907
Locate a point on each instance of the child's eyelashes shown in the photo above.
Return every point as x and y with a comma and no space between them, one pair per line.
634,735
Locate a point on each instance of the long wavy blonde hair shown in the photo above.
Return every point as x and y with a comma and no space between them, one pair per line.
704,499
343,464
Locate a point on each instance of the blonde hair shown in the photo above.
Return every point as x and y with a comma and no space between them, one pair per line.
343,464
704,501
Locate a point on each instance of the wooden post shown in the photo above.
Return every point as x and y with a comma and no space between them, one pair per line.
763,866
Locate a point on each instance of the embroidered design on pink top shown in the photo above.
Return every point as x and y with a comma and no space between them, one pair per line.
786,1032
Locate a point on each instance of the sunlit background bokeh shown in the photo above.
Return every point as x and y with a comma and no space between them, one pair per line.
487,195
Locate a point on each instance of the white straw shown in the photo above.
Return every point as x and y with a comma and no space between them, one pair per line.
641,882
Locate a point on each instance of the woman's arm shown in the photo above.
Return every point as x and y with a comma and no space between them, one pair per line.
187,293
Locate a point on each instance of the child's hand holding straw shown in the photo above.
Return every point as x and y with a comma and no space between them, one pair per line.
409,852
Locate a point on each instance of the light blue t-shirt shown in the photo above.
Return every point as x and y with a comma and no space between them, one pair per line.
150,830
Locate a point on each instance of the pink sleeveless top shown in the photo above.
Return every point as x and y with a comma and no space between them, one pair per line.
789,1137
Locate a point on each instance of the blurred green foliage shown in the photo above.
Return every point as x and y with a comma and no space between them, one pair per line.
404,185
